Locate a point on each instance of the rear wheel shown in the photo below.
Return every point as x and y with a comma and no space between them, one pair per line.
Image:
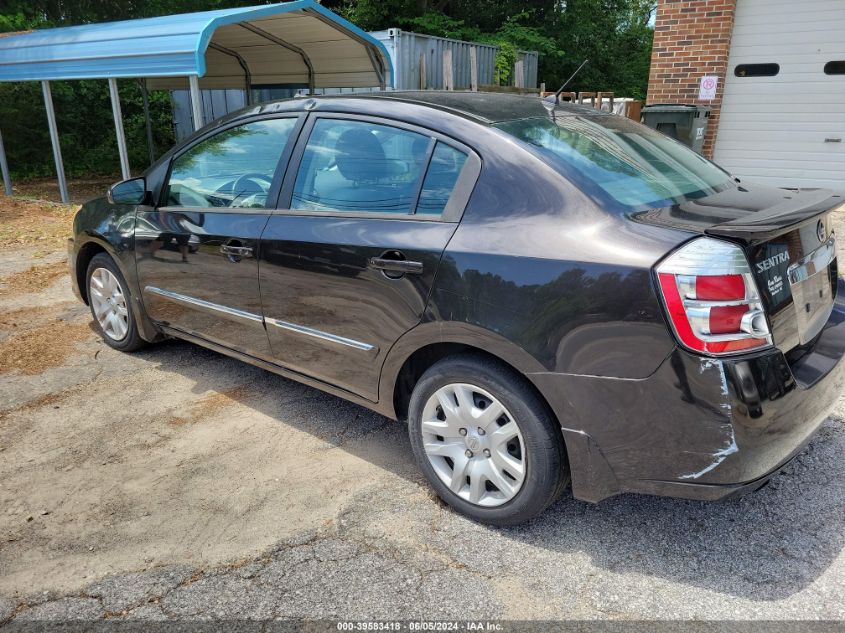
110,303
486,442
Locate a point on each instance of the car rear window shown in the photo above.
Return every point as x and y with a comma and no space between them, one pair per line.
620,160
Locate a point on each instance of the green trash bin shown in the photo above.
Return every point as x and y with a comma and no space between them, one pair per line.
686,123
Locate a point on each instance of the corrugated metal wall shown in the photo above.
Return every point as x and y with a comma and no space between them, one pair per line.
406,48
529,61
215,103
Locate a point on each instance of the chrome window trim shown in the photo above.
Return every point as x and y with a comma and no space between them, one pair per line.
207,305
325,336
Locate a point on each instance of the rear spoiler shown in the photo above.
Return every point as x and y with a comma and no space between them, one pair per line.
799,208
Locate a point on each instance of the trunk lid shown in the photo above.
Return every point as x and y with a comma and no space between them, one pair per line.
790,244
796,273
794,209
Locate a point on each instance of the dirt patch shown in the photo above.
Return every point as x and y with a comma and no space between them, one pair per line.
25,318
47,400
210,405
80,190
32,280
35,223
34,351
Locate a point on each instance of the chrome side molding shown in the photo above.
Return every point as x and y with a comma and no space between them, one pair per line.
205,305
243,314
301,329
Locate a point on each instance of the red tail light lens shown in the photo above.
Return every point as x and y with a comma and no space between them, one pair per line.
716,287
711,298
726,319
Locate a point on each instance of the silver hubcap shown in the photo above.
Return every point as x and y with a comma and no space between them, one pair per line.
473,444
109,304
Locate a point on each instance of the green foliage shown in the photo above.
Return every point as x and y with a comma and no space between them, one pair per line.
505,59
614,35
441,25
86,127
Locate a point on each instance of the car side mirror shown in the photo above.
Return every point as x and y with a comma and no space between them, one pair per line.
132,191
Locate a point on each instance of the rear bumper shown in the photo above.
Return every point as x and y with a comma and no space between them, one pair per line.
698,428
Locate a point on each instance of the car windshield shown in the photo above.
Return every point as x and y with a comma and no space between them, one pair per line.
612,156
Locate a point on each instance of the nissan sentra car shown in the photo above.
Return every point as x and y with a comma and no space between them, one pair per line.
549,295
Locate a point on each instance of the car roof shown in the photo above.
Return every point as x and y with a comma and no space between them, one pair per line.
483,107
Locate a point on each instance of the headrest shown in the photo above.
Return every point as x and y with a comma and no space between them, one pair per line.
357,150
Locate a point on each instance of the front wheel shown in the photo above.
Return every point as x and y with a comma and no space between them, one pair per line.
485,441
110,303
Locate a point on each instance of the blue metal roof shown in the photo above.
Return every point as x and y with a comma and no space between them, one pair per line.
175,45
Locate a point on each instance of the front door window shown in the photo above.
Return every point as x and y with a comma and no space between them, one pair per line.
234,168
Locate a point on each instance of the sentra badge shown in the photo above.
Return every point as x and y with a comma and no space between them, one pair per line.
771,262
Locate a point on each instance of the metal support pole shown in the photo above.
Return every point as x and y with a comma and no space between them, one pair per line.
4,167
118,128
145,97
473,68
196,100
54,139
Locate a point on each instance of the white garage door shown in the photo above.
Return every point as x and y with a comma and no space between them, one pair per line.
784,125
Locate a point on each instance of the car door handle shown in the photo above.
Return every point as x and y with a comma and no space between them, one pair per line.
236,251
402,266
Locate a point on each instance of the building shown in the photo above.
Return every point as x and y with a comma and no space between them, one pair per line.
778,112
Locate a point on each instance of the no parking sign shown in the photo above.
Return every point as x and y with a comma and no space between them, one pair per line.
707,87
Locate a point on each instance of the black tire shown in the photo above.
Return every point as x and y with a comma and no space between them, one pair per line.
546,471
132,340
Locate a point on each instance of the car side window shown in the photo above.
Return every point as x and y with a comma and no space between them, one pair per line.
440,179
358,166
233,168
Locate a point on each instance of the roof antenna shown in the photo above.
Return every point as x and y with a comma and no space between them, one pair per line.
566,83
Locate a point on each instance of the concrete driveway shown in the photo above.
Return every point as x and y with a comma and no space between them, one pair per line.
177,483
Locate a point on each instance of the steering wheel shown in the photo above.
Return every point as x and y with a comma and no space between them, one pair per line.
242,185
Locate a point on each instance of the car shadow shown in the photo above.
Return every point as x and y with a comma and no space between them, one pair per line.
767,545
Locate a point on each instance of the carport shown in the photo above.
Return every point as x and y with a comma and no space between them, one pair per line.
291,43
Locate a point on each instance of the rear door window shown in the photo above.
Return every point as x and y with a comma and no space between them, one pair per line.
355,166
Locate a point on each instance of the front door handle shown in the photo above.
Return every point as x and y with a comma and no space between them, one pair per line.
399,266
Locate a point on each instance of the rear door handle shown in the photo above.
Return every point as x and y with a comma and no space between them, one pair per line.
401,266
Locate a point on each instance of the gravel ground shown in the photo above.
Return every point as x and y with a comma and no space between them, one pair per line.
175,483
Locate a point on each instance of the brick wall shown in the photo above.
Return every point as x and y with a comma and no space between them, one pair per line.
691,38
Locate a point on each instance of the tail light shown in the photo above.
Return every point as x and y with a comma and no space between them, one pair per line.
711,298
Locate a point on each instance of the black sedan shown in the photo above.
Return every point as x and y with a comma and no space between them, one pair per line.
547,294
